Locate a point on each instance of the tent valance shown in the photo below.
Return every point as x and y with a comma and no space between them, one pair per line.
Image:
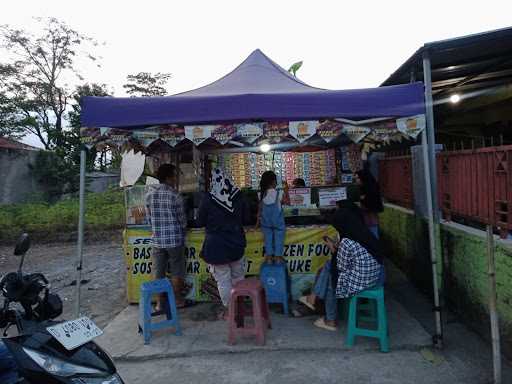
380,130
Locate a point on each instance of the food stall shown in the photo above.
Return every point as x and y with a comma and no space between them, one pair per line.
256,118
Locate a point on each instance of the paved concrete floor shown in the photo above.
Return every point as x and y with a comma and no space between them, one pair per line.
297,352
296,367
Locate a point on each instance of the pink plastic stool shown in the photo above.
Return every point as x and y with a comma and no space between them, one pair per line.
253,289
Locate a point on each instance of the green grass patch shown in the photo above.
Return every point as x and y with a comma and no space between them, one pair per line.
104,212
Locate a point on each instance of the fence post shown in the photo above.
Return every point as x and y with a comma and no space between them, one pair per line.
495,332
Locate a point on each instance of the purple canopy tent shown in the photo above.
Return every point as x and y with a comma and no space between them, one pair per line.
257,90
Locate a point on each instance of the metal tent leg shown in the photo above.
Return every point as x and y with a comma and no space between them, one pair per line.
429,160
80,244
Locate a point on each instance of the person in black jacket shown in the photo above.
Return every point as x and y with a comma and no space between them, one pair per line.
371,199
223,213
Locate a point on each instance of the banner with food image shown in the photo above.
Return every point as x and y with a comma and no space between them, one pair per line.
329,130
302,130
197,134
276,131
249,133
305,253
171,134
224,133
411,126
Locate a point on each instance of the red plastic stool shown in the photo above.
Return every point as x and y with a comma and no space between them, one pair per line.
253,289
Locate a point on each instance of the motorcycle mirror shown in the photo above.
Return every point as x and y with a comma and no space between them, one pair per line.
22,245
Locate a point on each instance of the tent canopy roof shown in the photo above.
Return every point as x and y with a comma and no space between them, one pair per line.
258,89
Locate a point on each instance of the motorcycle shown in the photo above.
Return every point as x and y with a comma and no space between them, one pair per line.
47,351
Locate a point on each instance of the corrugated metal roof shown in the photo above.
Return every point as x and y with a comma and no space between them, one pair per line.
468,63
13,144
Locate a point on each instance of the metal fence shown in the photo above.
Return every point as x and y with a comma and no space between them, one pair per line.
475,185
395,179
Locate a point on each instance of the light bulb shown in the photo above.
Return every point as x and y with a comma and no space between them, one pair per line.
455,98
264,147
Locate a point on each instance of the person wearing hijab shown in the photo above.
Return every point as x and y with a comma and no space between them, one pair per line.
356,263
371,199
223,213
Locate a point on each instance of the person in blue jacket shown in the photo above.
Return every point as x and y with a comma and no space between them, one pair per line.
223,213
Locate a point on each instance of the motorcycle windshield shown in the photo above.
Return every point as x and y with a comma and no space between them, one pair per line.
88,355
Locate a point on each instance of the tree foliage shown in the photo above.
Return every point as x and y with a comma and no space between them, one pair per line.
73,134
147,84
35,78
294,68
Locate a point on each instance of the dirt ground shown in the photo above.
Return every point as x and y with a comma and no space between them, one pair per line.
103,275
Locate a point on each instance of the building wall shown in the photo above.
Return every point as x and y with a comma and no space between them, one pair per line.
465,282
17,184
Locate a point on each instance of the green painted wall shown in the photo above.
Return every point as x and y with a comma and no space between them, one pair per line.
464,254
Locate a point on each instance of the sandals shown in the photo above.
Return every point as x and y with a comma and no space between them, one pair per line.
186,303
320,323
304,300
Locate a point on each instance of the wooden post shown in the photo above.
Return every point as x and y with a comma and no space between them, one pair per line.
495,332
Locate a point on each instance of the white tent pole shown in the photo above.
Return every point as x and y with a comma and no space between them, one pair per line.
438,337
429,106
429,163
80,244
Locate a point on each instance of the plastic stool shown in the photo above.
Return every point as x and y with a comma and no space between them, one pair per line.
274,278
253,289
147,290
373,295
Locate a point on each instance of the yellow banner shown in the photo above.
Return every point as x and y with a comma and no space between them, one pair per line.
305,253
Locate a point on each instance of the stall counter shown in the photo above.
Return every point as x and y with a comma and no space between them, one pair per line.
305,253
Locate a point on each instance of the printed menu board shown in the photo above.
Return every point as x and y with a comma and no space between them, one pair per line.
329,197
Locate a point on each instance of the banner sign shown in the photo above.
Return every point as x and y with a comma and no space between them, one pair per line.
115,136
147,136
303,130
249,133
355,133
199,133
411,126
89,136
305,253
224,133
329,130
300,197
276,130
329,197
171,134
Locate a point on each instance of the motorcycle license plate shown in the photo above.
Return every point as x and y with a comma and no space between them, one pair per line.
74,333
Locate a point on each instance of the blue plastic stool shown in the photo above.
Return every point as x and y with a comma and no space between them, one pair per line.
375,296
274,278
147,290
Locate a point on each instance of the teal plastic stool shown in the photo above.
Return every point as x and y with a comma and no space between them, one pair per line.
147,290
375,313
